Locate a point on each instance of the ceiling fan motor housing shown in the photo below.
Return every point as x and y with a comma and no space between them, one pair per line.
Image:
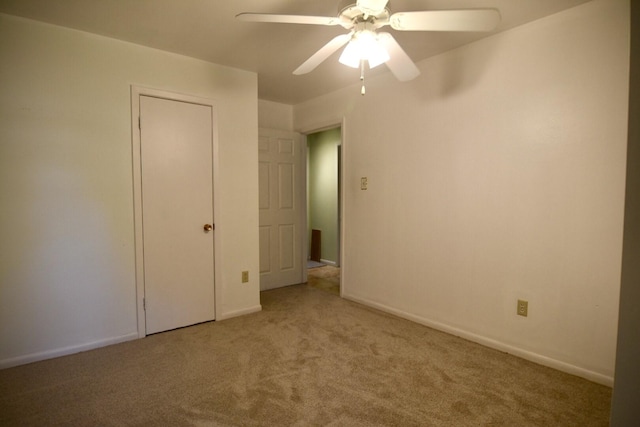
351,14
364,17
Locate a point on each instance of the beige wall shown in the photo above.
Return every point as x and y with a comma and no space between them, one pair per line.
274,115
67,268
498,174
624,406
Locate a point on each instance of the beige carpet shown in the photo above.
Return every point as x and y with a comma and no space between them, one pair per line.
309,358
326,278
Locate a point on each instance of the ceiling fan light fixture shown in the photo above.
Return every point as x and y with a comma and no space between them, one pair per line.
350,56
363,43
364,46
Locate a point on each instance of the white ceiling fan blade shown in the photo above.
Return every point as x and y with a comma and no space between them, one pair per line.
399,62
372,7
322,54
446,20
288,19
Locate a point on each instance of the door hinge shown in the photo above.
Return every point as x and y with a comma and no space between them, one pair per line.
139,124
144,304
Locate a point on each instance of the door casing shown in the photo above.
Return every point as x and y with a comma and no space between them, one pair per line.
136,93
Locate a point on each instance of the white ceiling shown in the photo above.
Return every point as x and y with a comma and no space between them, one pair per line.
207,29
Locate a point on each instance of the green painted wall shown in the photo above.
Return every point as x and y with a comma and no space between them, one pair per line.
323,190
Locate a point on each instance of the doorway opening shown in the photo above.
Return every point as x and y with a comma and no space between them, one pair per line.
324,188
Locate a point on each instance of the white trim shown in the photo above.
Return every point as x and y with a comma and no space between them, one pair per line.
236,313
322,126
343,202
64,351
326,261
136,92
488,342
304,159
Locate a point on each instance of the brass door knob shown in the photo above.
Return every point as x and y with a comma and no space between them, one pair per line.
208,227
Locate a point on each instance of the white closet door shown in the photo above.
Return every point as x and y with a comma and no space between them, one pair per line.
177,205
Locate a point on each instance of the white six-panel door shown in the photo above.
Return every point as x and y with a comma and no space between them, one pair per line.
281,203
177,204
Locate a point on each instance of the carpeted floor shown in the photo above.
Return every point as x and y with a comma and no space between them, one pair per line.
325,277
314,264
309,358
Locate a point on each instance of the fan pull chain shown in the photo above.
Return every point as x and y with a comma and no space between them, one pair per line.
362,91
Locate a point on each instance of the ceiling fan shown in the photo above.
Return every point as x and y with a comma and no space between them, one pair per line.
366,44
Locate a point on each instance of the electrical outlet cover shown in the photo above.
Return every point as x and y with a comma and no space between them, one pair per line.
523,308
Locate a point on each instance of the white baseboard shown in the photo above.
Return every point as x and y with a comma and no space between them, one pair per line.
326,261
488,342
50,354
64,351
230,314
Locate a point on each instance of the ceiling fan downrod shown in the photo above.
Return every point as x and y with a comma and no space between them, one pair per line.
363,18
